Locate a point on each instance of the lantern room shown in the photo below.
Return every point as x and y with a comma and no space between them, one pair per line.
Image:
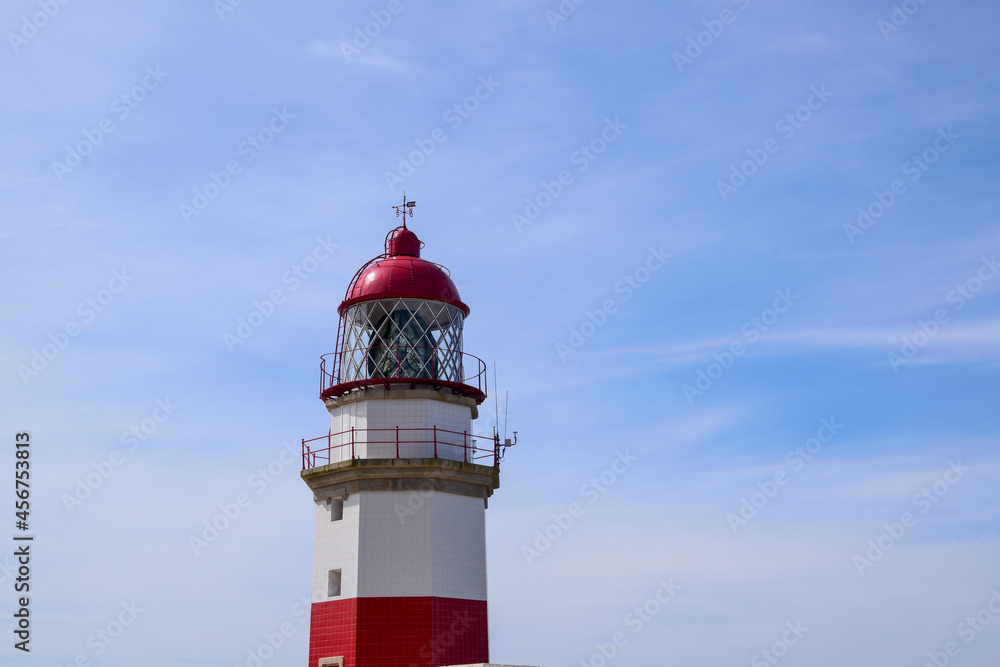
401,325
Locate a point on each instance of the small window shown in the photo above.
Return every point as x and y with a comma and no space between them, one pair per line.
333,584
331,662
336,509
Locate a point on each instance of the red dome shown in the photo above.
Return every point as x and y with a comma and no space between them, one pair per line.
401,241
400,273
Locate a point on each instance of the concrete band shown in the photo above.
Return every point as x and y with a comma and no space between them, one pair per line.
339,480
379,393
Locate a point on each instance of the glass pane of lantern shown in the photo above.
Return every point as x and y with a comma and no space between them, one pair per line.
409,338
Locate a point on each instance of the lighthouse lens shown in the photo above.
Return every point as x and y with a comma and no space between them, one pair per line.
402,348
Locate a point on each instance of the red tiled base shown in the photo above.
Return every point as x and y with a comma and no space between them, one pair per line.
399,632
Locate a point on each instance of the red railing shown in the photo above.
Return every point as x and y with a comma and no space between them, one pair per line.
439,367
399,443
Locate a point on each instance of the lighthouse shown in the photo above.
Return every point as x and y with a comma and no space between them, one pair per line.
400,483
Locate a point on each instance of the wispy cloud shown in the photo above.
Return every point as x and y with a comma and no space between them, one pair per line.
958,342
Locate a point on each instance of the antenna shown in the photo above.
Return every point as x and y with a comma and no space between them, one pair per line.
501,447
404,209
506,404
496,399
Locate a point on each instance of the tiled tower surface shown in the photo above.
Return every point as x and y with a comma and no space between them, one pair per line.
408,538
400,483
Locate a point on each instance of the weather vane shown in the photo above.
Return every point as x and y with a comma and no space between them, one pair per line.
405,209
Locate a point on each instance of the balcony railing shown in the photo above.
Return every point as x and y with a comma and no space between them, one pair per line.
406,443
340,372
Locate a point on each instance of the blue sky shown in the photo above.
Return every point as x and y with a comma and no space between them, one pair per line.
625,198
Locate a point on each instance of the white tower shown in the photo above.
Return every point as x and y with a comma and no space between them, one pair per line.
400,484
